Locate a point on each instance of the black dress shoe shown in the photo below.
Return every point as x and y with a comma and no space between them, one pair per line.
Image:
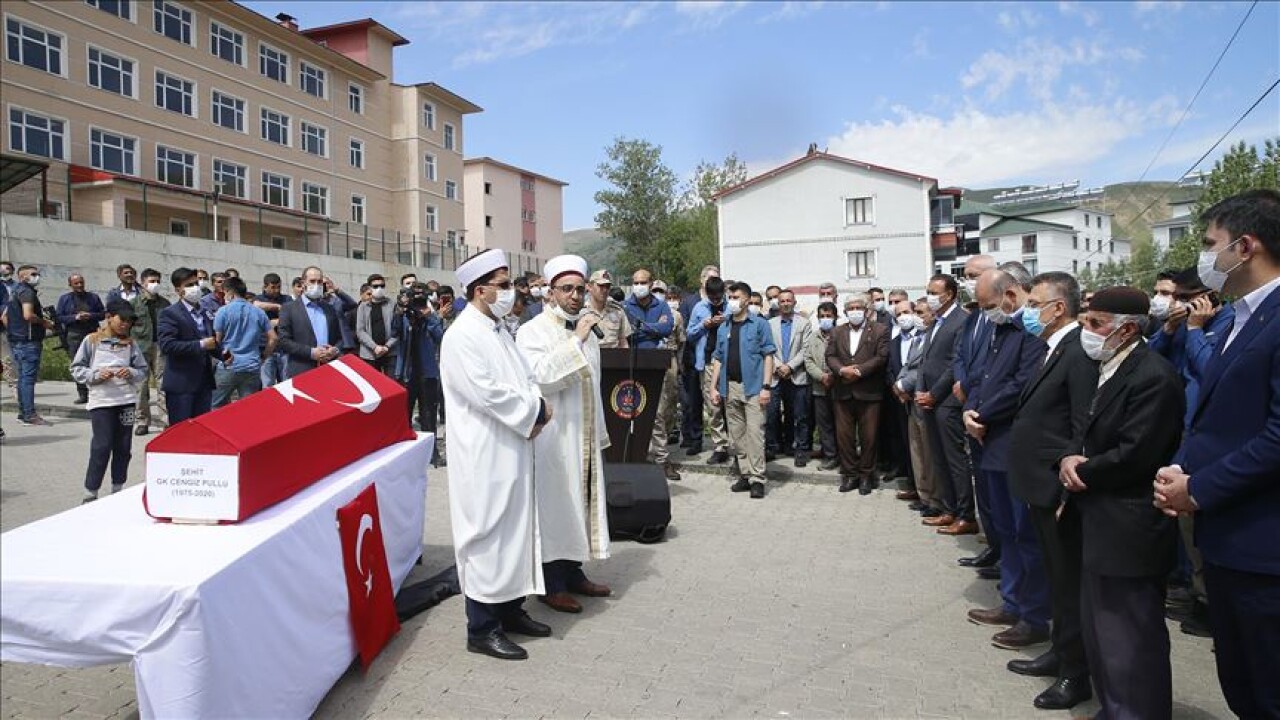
864,487
740,486
693,451
496,645
802,459
1046,665
930,512
986,558
757,490
847,484
141,430
829,464
1066,693
718,457
770,456
991,573
522,624
917,506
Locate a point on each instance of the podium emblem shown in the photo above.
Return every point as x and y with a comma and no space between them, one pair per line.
628,399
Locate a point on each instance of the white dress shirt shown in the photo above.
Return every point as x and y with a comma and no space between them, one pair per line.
1246,306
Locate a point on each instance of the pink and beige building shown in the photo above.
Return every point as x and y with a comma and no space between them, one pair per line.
209,120
517,210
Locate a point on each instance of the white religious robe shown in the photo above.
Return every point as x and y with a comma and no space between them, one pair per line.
572,512
492,404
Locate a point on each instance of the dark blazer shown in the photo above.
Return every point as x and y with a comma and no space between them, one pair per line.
893,365
1232,448
297,339
937,374
1132,432
1052,412
869,357
188,368
1013,358
971,352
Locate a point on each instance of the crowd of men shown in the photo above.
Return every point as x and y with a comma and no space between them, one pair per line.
1120,451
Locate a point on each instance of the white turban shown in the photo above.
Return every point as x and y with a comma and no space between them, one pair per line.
480,265
562,264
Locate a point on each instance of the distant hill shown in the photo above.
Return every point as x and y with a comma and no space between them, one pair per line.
1125,200
599,251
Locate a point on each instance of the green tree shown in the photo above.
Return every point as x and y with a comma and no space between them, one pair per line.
1086,279
637,206
1145,262
1240,169
692,239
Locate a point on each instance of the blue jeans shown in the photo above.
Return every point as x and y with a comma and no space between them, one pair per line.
228,383
26,355
792,431
275,369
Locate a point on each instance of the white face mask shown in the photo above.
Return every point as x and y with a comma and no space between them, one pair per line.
919,322
379,293
881,305
773,303
996,315
33,280
825,324
856,317
191,293
502,306
1210,275
733,307
536,291
970,286
1094,345
675,306
934,301
753,309
204,285
641,291
907,322
314,291
152,288
1160,306
660,296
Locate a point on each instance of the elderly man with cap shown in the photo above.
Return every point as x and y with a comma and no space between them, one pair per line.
612,319
495,412
1128,547
564,355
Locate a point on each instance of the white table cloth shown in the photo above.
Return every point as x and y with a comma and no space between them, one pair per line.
247,620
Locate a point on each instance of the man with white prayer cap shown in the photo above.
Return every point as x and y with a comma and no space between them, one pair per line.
564,355
495,412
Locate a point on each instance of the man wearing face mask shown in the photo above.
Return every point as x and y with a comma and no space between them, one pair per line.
309,330
928,471
1226,471
1053,410
821,380
26,327
650,320
894,446
375,321
704,325
665,422
942,409
202,279
972,346
495,412
1013,358
1161,301
185,334
878,309
771,294
80,312
740,372
246,335
856,356
568,467
691,400
8,282
147,305
1128,547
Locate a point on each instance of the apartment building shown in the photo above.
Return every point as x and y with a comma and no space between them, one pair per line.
209,120
517,210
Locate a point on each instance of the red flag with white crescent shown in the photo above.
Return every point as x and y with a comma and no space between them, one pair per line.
369,592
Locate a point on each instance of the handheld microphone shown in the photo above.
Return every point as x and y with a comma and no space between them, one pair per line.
595,330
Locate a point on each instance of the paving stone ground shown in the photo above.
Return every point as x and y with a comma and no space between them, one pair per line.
806,604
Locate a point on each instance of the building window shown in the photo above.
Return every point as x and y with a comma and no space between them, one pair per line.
119,8
357,209
277,242
315,140
861,263
448,137
526,184
527,215
111,73
113,153
1088,265
1098,219
311,79
31,46
175,94
1033,266
1086,219
488,221
1075,242
431,220
1075,266
942,211
175,167
357,254
857,211
451,238
1112,246
173,21
994,245
277,189
272,63
429,116
355,98
488,188
429,167
1176,234
230,179
1088,243
1029,244
226,43
36,134
275,127
356,153
450,190
315,199
228,111
180,227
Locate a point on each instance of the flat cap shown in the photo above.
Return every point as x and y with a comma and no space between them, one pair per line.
1121,300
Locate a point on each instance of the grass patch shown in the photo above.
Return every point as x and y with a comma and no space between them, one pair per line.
55,363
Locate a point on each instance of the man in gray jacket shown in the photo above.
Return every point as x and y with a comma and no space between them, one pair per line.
375,323
932,495
790,397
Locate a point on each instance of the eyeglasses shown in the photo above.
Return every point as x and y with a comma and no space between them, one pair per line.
504,285
572,289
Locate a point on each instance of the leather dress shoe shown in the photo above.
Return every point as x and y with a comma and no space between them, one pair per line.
802,459
930,512
907,495
991,573
522,624
939,521
757,490
829,464
590,589
847,484
693,451
718,457
670,472
986,558
864,487
740,486
141,430
1046,665
561,602
992,616
496,645
770,456
1066,693
1020,636
960,527
916,505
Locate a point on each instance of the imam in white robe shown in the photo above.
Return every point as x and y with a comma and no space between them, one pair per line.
492,403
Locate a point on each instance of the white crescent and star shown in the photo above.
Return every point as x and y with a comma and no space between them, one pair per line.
366,526
370,399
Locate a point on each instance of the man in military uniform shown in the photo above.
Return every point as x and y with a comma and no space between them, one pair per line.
666,419
613,319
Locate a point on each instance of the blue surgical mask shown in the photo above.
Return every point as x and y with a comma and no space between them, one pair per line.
1031,321
825,324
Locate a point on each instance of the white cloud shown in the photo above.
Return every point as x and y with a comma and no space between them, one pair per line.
1018,20
1039,62
1080,10
707,14
1146,6
920,44
792,10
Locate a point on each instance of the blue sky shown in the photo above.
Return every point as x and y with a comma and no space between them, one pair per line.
973,94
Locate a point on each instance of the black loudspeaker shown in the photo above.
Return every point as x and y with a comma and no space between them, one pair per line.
639,502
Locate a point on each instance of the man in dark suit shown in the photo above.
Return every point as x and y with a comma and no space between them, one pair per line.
1051,417
895,448
1228,469
972,346
1133,429
1013,358
309,329
184,332
856,356
943,410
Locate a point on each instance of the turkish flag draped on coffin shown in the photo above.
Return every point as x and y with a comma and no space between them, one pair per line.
275,442
364,558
